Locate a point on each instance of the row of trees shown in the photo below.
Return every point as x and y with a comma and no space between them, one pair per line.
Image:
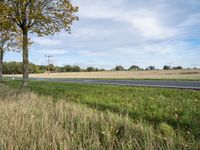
17,68
172,68
42,17
132,68
136,68
67,68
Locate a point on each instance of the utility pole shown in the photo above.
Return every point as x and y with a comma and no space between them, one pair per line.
49,60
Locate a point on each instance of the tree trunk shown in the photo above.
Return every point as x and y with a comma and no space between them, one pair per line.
25,58
1,63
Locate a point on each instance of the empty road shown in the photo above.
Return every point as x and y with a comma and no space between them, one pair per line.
144,83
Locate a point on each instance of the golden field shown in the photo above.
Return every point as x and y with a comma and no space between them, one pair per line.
185,74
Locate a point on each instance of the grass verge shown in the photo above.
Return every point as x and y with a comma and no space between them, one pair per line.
29,121
178,108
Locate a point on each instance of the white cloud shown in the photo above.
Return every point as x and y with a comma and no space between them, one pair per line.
46,42
150,27
92,53
192,20
89,33
53,51
143,20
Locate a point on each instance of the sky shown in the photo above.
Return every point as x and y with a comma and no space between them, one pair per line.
124,32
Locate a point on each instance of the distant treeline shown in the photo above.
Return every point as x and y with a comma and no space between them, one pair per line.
16,68
137,68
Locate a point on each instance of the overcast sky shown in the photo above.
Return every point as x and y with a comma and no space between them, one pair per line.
125,32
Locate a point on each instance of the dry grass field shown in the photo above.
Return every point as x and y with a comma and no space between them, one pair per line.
186,74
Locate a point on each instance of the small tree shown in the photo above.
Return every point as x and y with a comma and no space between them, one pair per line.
76,69
43,17
51,68
177,68
119,68
102,69
34,68
43,68
151,68
67,68
58,69
134,67
7,42
91,69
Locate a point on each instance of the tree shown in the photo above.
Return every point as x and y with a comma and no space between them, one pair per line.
151,68
166,67
43,17
7,43
12,68
91,69
43,68
11,40
177,68
134,68
102,69
67,68
76,69
119,68
33,68
51,68
58,69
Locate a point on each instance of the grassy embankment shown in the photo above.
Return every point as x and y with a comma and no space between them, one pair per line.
28,121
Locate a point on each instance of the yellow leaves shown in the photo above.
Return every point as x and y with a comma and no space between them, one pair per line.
42,17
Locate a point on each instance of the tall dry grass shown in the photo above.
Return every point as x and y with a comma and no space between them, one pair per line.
31,122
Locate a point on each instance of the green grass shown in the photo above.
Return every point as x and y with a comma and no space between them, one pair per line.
29,121
178,108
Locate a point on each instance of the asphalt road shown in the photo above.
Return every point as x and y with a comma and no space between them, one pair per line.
143,83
